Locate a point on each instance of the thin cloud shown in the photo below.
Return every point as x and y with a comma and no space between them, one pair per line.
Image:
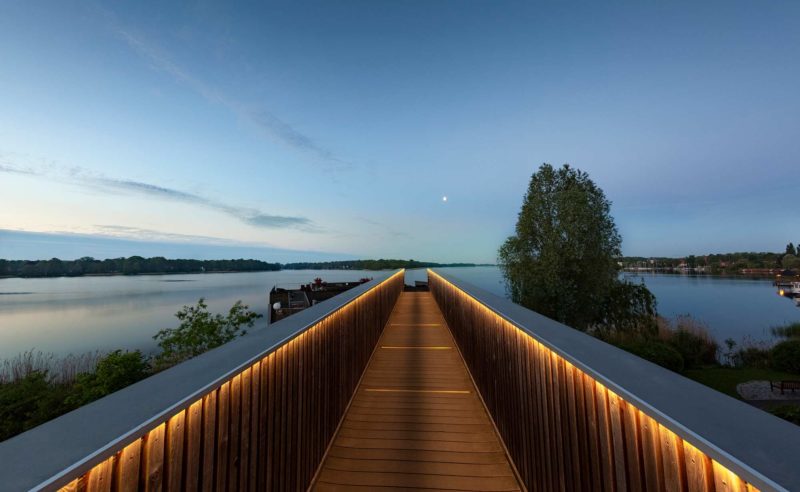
267,122
143,234
16,170
150,189
251,216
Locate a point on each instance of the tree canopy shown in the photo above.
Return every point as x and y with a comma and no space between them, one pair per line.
562,259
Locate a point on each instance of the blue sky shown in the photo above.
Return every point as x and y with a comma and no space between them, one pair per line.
337,127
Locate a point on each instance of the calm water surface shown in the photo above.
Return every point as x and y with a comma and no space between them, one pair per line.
77,315
83,314
730,307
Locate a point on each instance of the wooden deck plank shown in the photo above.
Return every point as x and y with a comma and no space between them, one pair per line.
416,421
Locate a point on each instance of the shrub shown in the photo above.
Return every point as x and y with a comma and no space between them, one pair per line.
787,412
657,352
691,339
756,357
201,331
791,330
786,356
114,372
28,402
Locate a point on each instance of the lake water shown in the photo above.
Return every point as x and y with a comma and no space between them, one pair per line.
77,315
730,307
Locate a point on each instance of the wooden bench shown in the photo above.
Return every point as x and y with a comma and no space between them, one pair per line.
784,385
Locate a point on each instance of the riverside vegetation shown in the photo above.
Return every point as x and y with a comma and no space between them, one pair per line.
747,263
563,262
36,387
137,265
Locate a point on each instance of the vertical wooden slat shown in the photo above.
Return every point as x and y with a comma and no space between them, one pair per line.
234,429
99,479
672,459
651,453
153,460
699,474
535,418
174,452
618,440
725,480
70,487
244,434
280,403
633,451
192,451
223,409
255,429
209,442
127,470
572,421
593,432
544,410
607,458
584,458
290,472
265,428
302,421
555,407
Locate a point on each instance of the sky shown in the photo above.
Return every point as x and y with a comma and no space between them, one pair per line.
333,130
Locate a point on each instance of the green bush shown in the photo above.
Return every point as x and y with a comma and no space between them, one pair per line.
201,331
787,412
28,402
753,357
114,372
786,356
792,330
657,352
696,350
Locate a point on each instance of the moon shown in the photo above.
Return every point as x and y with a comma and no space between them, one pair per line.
444,198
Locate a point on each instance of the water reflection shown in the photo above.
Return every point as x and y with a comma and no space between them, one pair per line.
77,315
64,315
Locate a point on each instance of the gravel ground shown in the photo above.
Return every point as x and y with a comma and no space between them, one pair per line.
759,390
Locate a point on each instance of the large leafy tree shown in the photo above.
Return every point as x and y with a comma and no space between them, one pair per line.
562,260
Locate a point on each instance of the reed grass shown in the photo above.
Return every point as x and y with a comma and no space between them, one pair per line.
58,369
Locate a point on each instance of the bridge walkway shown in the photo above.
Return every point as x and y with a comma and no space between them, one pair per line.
416,421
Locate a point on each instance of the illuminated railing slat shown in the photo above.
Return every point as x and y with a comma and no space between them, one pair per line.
255,414
578,414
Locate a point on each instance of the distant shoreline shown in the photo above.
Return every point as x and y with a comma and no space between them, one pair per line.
134,266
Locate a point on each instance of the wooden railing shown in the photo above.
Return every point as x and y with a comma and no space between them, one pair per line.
255,414
578,414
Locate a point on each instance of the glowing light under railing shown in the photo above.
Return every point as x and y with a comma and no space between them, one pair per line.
704,469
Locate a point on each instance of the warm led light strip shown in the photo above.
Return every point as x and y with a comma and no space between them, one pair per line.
416,324
420,348
387,390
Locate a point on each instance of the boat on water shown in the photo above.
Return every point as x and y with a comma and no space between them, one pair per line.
790,289
287,300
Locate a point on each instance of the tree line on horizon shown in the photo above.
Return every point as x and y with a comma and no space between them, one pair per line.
137,265
382,264
723,263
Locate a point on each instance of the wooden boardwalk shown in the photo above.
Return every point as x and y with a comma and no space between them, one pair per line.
416,422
